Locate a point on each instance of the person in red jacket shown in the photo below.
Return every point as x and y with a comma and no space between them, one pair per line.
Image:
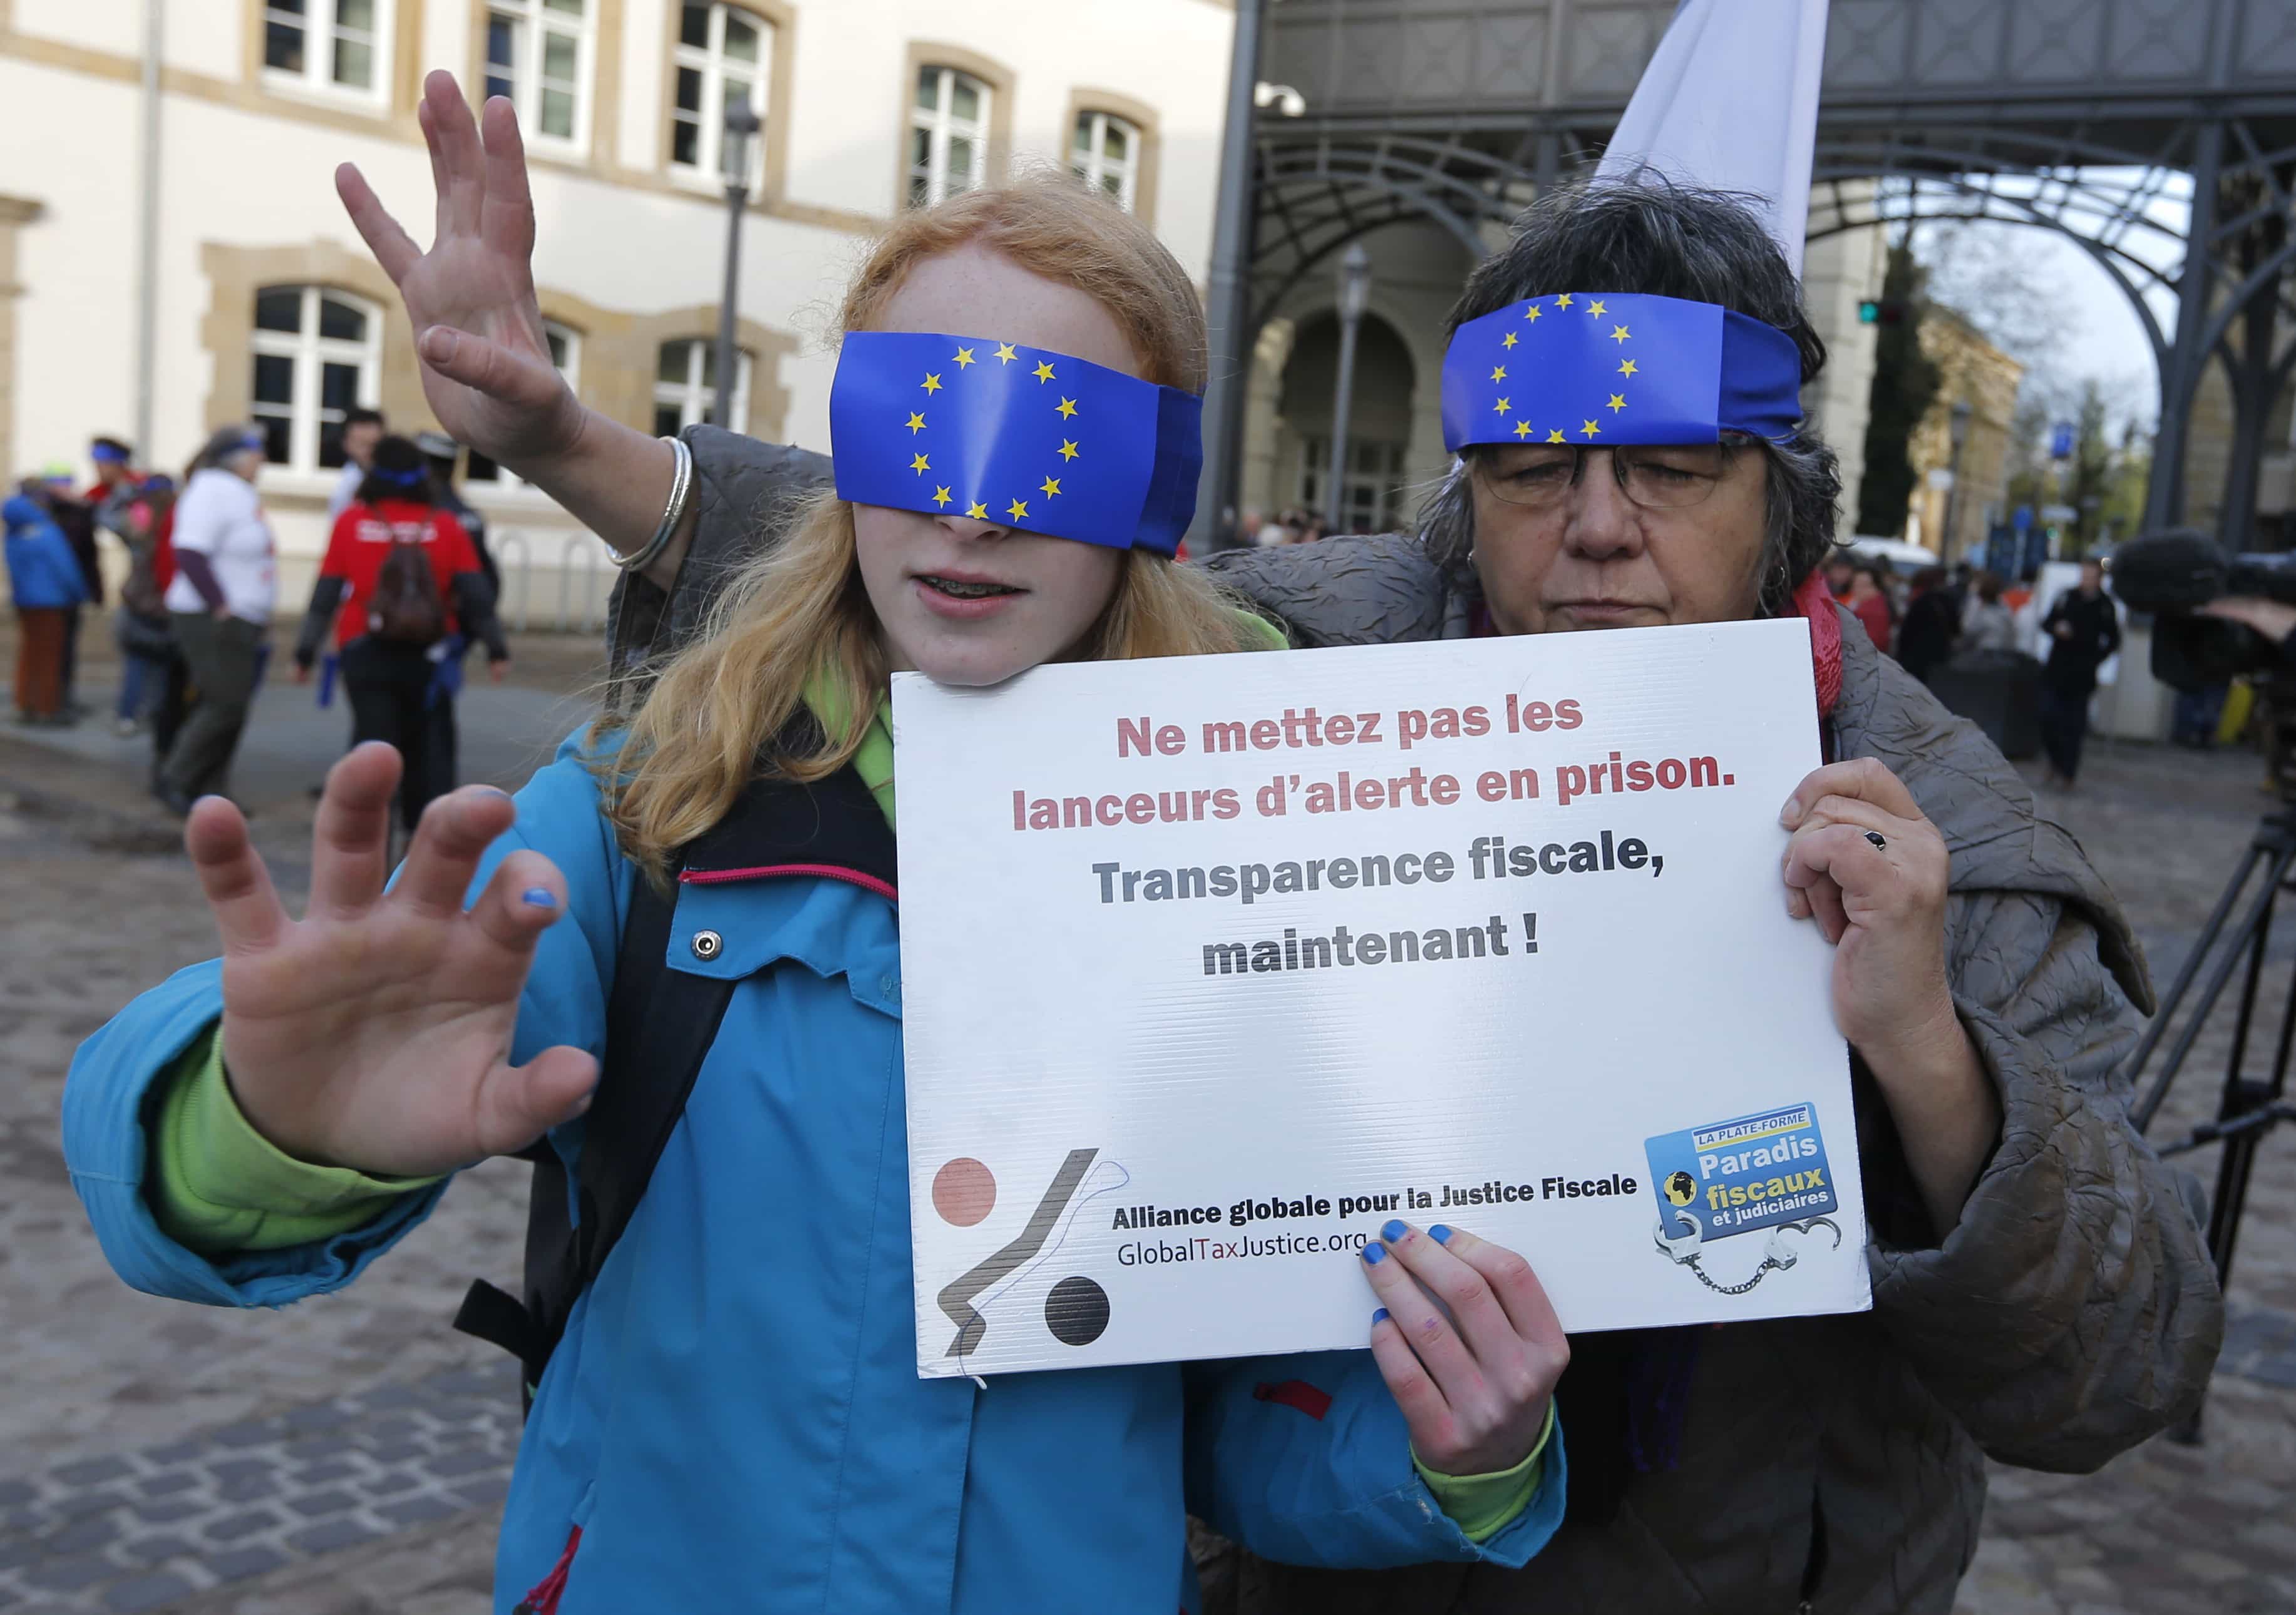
402,586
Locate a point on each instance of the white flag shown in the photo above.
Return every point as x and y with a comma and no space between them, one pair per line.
1730,101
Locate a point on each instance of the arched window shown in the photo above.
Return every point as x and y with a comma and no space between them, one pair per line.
1104,152
330,45
725,56
685,386
566,353
949,135
538,54
317,353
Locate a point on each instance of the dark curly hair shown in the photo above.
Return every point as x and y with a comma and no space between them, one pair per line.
1649,233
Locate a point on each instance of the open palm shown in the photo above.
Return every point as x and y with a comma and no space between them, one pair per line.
486,363
374,1033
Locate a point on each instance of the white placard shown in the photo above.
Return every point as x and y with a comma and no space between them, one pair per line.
1172,1059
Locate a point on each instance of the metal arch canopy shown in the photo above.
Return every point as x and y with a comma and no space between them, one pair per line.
2082,117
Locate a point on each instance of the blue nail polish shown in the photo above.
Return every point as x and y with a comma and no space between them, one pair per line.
538,897
1374,1253
1394,1231
1379,1317
1441,1234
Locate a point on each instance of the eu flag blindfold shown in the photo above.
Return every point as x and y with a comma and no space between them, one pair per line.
1018,436
1598,369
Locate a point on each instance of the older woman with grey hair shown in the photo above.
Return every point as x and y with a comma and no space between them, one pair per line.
2041,1292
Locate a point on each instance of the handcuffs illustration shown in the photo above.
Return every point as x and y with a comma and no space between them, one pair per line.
1777,1254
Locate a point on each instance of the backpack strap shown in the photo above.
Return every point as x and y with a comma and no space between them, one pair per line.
659,1025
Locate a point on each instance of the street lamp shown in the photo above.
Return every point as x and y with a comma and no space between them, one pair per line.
740,128
1957,434
1355,296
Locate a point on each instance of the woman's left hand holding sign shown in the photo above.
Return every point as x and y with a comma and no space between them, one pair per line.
1468,1345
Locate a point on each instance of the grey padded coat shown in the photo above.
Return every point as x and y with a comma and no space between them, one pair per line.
1827,1464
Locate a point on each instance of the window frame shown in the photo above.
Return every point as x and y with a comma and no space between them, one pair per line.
1095,168
768,85
995,79
1086,101
1385,485
535,18
318,18
941,128
308,351
692,396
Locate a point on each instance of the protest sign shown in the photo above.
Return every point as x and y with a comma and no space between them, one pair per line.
1213,966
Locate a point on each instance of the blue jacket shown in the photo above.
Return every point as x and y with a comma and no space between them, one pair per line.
733,1418
42,570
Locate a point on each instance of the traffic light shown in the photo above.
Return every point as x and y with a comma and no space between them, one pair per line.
1873,311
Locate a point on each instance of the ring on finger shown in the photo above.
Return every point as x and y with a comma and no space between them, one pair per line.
1880,842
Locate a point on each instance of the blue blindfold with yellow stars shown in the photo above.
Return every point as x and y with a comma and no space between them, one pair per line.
1595,369
1019,436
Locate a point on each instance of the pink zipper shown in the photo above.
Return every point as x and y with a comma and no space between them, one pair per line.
551,1588
826,872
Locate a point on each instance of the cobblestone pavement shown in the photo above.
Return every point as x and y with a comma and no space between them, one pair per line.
347,1457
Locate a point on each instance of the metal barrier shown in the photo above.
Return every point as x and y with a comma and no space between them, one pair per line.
505,544
588,546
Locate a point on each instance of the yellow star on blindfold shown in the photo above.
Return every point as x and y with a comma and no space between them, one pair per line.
920,465
1016,510
916,423
1563,301
1597,309
1498,372
964,357
941,496
1533,312
1069,450
1004,354
1627,368
1592,429
1051,486
1618,334
930,383
1524,429
1066,408
1044,371
977,510
1500,408
1555,436
1617,402
1507,341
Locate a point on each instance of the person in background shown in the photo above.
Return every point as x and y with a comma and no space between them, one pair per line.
219,604
445,456
76,517
2081,630
394,624
1841,569
1930,625
45,581
140,628
1869,601
362,429
1986,622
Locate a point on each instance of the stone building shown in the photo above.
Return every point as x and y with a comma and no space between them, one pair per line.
1972,371
269,307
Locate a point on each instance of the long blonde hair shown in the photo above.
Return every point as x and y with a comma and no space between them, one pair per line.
710,721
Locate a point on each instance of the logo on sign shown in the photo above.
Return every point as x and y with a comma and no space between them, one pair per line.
1735,1177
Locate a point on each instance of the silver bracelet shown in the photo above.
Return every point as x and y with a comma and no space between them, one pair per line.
681,488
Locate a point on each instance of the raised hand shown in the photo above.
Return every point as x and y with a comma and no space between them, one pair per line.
1467,1343
478,328
374,1033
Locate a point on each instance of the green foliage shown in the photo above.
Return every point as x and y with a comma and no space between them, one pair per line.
1905,382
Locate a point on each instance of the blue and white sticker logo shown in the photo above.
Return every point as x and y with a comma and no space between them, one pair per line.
1735,1177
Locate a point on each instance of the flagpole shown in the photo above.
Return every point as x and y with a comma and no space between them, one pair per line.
1228,297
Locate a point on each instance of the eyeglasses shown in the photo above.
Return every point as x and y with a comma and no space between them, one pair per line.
1655,476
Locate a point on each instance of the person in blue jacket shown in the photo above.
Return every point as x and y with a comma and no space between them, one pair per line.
732,1418
46,585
